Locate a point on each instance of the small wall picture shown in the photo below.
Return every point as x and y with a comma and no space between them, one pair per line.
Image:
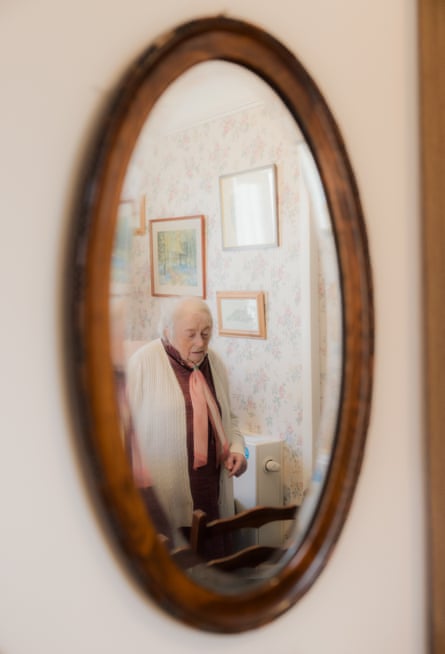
177,256
139,216
249,213
121,253
241,313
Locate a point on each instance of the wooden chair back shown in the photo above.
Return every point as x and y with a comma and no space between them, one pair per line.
250,556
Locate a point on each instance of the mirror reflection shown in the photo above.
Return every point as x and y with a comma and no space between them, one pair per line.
226,317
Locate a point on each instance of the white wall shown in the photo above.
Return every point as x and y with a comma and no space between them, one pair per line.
61,589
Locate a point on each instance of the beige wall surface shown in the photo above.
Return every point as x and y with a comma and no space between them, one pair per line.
61,586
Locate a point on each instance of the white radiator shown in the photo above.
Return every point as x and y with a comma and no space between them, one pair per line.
261,485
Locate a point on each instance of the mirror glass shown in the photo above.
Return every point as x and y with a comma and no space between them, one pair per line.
221,157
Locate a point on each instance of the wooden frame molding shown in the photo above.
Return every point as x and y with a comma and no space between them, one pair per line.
432,106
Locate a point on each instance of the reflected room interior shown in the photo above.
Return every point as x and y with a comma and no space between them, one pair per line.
216,121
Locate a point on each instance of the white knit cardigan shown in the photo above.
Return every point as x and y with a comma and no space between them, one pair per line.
158,412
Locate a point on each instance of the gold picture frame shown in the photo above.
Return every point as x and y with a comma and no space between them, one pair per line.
178,256
241,313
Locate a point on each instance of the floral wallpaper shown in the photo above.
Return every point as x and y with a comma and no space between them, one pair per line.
178,173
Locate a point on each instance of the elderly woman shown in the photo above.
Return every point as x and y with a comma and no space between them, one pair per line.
187,436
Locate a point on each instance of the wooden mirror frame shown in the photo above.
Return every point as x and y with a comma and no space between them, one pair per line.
89,329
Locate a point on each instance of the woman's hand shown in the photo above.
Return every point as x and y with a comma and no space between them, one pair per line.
236,464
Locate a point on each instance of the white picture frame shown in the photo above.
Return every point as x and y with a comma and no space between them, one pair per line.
249,208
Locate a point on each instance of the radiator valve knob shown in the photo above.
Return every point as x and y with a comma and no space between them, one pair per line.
270,465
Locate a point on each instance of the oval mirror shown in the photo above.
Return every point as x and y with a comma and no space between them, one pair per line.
219,178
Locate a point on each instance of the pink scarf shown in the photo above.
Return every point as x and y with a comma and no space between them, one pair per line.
205,408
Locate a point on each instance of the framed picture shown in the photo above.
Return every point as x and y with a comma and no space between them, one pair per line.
139,216
249,208
130,222
241,313
134,211
121,253
177,256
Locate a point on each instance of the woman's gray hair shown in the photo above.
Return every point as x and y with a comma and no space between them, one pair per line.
173,308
